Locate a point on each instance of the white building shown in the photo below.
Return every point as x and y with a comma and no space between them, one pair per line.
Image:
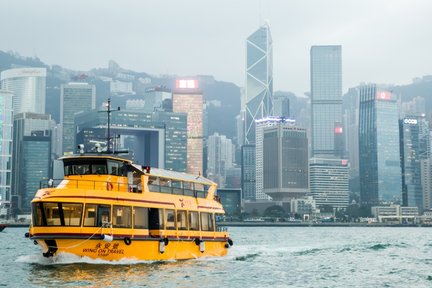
29,87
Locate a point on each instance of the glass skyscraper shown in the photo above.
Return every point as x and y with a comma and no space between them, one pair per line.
28,85
326,104
379,157
415,147
75,98
248,179
31,155
259,79
5,144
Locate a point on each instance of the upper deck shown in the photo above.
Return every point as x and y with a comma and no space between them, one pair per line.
111,176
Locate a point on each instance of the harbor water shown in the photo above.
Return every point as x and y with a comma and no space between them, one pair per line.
260,257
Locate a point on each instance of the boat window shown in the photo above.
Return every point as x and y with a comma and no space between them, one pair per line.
188,189
96,215
141,218
193,220
52,214
156,218
72,214
37,215
207,221
114,168
122,216
181,220
170,219
153,184
165,185
57,214
99,169
177,187
90,215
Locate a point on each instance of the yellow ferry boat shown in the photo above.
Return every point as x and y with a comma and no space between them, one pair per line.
106,207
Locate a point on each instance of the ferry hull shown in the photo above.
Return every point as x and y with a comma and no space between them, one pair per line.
153,250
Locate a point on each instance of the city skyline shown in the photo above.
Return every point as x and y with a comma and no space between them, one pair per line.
373,33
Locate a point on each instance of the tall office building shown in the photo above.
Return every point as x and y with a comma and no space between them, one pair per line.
259,79
5,144
31,155
220,157
285,158
426,182
379,159
75,98
329,182
28,85
248,179
415,147
281,106
188,98
326,101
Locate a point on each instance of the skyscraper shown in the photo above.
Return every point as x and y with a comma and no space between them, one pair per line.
220,158
28,85
379,159
5,144
285,160
415,147
31,155
259,79
75,98
326,96
329,182
187,98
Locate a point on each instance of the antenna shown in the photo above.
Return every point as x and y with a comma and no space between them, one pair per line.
108,111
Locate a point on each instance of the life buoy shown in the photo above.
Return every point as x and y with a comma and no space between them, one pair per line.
127,241
110,186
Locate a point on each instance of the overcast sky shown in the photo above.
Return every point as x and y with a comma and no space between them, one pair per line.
382,41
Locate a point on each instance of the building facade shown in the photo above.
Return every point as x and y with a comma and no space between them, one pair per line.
6,116
74,98
220,157
187,98
157,139
31,155
414,147
326,101
379,151
28,86
259,79
248,179
329,184
285,158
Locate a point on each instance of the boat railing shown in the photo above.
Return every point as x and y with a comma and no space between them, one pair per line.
87,184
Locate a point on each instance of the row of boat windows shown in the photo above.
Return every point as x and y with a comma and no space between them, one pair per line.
119,216
170,186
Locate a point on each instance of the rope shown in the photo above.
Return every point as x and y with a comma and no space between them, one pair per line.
104,225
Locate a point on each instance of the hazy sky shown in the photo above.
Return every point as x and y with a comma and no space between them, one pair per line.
382,41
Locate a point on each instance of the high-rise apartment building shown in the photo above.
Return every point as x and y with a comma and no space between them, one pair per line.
326,101
188,98
259,79
75,98
6,117
28,86
31,155
285,158
415,147
329,179
379,159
